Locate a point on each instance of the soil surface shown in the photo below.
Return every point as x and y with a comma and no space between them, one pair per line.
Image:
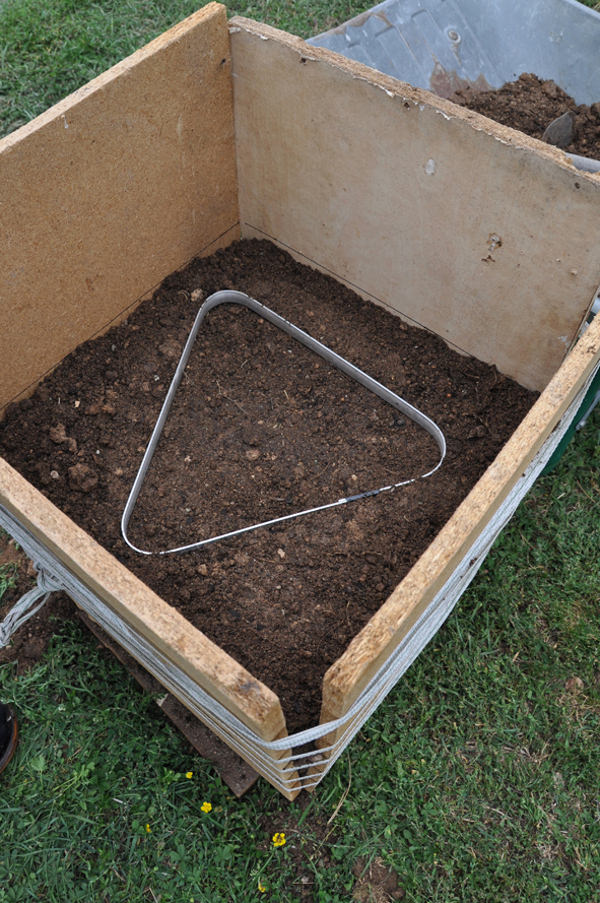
260,427
530,104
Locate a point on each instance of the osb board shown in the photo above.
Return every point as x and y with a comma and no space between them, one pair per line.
112,189
349,675
469,228
152,618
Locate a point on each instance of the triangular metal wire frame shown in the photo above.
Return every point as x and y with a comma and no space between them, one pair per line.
233,297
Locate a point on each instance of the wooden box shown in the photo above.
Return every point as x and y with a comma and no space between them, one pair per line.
219,130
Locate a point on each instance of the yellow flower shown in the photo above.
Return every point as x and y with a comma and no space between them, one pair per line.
189,774
148,829
206,807
278,839
261,886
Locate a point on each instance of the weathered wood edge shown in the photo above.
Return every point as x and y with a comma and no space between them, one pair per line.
348,676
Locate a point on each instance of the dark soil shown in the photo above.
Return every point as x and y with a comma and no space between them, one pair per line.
530,104
261,427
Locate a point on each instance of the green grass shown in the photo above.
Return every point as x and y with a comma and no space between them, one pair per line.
477,780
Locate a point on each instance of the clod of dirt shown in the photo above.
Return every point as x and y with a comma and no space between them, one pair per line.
100,407
171,348
82,478
58,433
378,884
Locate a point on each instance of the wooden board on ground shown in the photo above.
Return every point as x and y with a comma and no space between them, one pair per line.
469,228
112,189
238,775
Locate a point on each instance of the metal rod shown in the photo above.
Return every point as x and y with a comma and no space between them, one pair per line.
232,297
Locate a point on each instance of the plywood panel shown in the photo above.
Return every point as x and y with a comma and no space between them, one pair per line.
475,231
112,189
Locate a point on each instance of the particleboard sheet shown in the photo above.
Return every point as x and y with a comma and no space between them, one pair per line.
139,176
464,226
109,191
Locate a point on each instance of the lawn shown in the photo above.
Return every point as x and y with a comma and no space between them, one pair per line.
478,780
